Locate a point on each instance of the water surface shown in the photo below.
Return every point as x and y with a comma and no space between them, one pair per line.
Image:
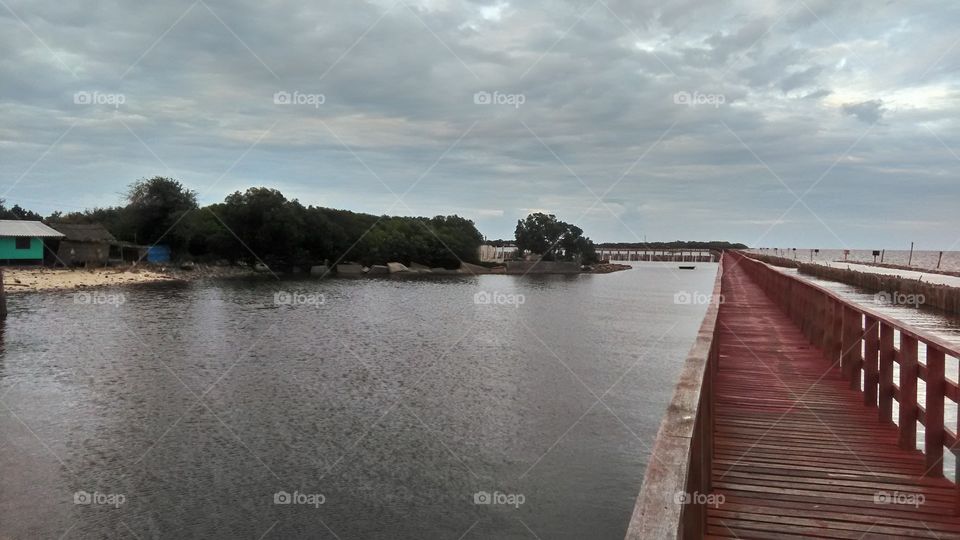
392,402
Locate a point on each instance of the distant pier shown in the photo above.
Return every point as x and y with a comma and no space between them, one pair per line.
664,255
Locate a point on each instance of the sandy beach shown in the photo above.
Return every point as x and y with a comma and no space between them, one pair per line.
25,279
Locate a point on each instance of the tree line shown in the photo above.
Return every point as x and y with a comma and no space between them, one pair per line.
261,224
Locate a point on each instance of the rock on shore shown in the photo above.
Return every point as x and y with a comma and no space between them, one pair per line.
606,268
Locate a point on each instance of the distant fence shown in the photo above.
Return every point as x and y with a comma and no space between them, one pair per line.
680,463
658,255
943,297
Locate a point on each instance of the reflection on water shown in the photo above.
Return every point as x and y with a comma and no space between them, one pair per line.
392,402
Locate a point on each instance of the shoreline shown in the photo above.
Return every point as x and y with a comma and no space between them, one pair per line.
32,279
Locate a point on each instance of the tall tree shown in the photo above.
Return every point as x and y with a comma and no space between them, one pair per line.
553,239
156,208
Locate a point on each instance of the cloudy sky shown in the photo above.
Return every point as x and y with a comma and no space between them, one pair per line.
811,123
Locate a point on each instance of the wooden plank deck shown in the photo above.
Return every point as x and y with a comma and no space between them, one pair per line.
797,454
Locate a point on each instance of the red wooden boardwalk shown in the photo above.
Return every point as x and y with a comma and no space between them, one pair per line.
796,452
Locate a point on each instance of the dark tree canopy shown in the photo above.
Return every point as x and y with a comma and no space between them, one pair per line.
260,224
155,209
676,244
553,239
16,212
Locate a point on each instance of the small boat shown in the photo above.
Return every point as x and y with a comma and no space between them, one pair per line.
687,267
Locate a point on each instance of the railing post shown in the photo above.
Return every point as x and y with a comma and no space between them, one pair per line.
871,372
823,323
956,473
829,330
908,392
836,345
805,318
886,373
851,356
933,421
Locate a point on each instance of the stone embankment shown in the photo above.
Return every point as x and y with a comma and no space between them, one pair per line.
606,268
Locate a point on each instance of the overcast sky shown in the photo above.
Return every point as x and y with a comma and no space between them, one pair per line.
812,123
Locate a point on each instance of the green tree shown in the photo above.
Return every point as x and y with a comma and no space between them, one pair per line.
260,224
155,211
267,226
17,212
553,239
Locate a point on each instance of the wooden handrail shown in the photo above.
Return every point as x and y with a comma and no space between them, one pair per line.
671,501
862,341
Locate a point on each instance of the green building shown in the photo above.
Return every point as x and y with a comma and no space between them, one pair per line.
21,242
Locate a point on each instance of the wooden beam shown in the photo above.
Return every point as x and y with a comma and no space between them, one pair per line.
908,392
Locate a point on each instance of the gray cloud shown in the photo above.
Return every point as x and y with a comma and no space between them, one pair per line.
866,111
599,82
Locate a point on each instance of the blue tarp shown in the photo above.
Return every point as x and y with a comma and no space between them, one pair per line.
158,254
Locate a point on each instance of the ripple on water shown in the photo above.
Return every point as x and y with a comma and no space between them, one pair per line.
396,400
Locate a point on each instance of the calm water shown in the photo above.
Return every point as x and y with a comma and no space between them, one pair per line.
383,405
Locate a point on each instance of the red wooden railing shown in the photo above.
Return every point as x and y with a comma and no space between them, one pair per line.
862,341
